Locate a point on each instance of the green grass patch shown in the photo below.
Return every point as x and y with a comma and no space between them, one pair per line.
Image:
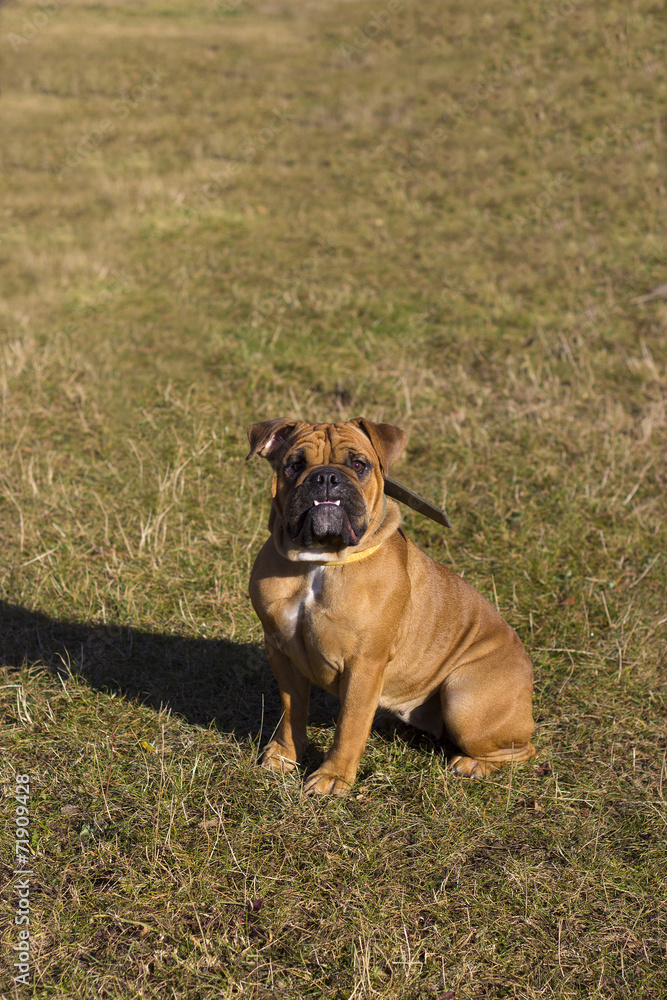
430,214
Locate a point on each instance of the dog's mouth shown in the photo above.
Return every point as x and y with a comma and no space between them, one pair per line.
331,523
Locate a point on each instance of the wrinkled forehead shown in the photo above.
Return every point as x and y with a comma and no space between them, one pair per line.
322,443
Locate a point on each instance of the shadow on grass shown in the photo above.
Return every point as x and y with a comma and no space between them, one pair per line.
205,681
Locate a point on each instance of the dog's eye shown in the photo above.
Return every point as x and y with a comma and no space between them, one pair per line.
294,468
358,465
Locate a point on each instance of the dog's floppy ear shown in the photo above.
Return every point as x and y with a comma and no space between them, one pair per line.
265,437
388,441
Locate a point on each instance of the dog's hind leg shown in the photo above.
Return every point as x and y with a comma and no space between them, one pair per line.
487,710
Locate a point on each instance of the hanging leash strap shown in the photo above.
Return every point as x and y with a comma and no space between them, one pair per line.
399,492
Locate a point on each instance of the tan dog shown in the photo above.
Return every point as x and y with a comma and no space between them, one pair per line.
349,604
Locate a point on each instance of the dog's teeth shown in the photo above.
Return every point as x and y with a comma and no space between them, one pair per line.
337,502
316,503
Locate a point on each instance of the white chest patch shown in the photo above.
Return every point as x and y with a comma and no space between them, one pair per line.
294,611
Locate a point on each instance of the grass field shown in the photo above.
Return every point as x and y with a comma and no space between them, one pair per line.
436,214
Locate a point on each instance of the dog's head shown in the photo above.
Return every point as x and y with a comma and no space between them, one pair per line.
328,483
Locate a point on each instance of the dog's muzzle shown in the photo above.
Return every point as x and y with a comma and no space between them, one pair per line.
326,509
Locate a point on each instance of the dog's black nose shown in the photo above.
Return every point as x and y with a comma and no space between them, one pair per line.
326,483
326,476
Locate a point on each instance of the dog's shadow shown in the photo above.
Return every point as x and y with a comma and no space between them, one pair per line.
204,681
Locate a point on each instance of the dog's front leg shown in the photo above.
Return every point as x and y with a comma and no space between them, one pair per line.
286,748
359,693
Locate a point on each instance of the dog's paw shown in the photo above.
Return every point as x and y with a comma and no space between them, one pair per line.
481,767
470,767
323,782
276,757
